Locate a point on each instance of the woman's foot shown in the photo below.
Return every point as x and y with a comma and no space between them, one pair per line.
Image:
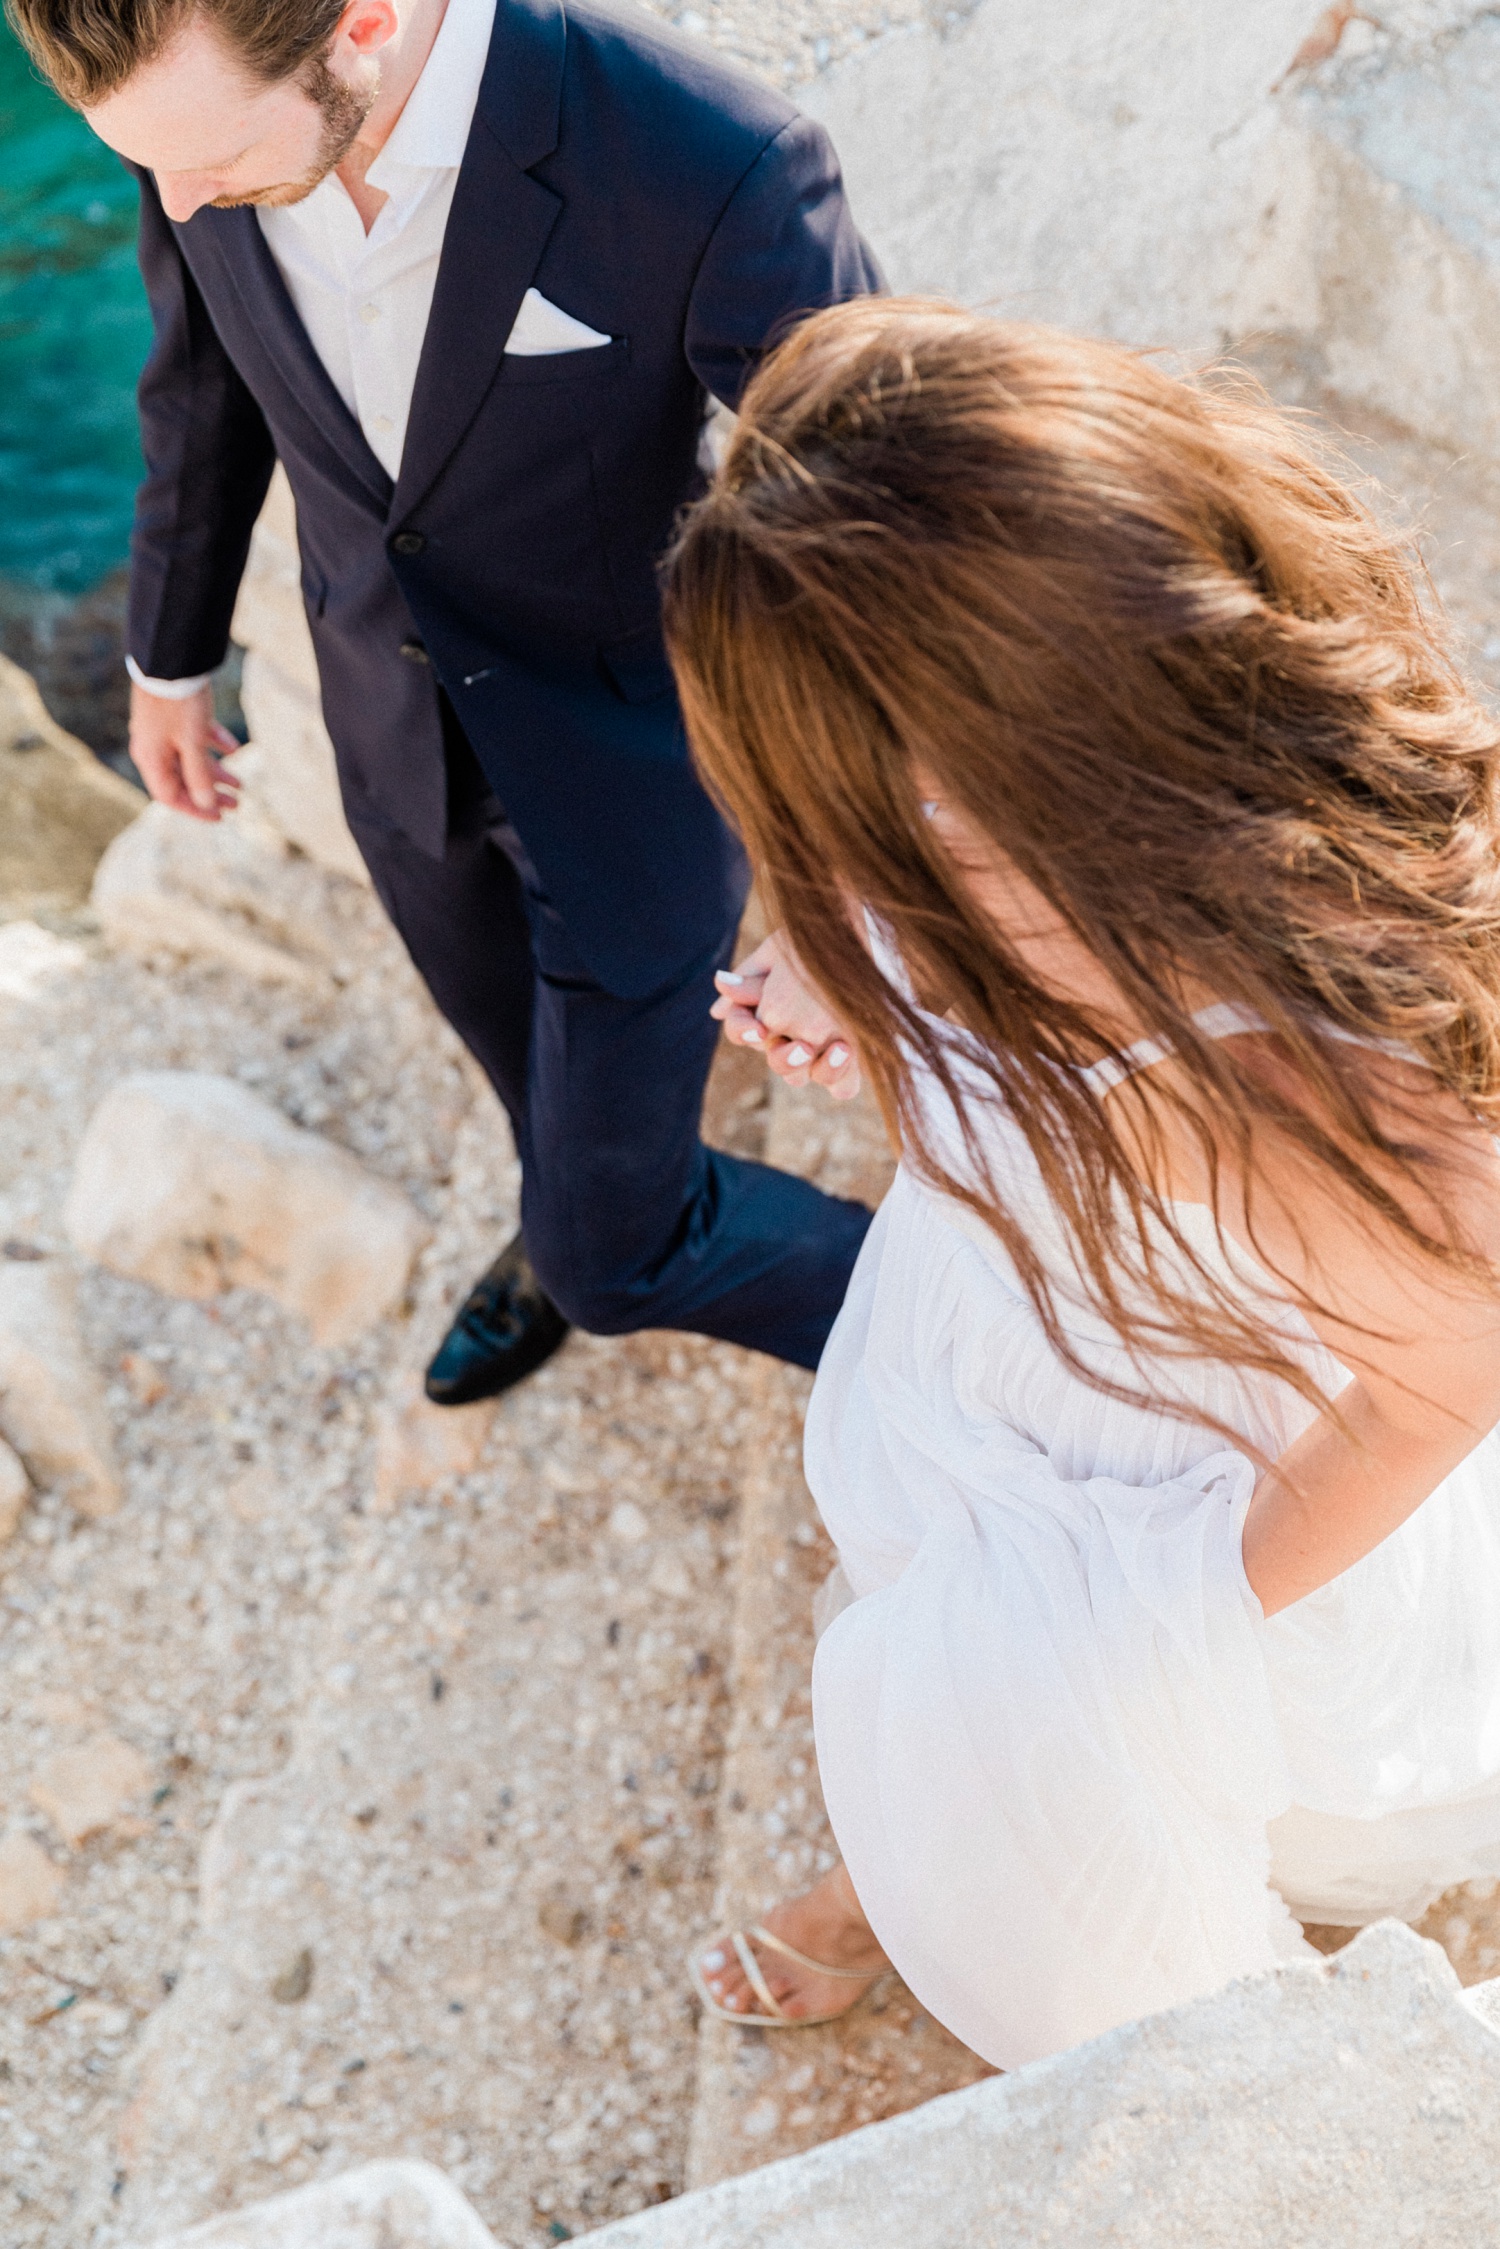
827,1924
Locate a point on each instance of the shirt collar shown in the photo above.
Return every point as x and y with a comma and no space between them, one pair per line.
432,131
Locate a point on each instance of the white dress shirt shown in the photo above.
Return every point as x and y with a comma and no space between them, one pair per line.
364,299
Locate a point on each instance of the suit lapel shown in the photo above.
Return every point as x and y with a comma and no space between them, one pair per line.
308,390
497,230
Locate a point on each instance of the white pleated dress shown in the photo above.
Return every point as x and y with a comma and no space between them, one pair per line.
1075,1774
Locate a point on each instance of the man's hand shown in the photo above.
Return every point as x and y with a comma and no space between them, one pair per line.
177,748
768,1003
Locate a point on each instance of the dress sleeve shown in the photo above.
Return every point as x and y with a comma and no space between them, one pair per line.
785,244
209,458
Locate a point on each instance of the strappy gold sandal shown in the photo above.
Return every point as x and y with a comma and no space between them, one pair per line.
775,2017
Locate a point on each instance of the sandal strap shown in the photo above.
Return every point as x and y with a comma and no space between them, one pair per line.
755,1979
790,1952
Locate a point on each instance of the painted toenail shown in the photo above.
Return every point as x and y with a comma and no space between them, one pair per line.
713,1959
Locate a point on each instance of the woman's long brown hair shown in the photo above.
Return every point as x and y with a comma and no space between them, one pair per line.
1143,638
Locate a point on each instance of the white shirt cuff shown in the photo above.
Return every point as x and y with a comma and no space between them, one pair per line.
170,690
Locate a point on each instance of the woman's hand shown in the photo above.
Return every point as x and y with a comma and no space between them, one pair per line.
769,1004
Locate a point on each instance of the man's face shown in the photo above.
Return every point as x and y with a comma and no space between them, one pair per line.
212,134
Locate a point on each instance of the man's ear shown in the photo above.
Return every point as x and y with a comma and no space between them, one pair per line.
368,25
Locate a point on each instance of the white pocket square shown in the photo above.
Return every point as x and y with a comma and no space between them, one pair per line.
542,327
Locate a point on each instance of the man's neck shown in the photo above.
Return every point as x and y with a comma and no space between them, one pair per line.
401,65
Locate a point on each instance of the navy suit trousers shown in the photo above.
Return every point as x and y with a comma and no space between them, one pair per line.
629,1220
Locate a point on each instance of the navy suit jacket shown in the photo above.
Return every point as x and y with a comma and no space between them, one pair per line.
672,203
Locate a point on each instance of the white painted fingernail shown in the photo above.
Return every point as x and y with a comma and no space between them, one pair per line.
929,809
713,1959
837,1057
727,976
751,1034
797,1056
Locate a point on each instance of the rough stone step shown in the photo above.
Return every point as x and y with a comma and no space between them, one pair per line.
1355,2106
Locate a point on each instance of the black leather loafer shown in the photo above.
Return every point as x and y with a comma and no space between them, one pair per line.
507,1328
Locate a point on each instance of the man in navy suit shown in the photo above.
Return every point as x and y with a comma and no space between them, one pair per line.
472,270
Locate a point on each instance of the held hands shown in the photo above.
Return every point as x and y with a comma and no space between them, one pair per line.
178,748
767,1003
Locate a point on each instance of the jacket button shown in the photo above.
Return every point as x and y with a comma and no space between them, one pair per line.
414,652
408,542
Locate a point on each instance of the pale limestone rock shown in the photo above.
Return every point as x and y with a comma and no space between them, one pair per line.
30,1883
269,615
195,1184
51,1404
288,766
1123,171
288,769
15,1490
59,806
32,959
1401,131
88,1788
418,1444
220,890
627,1523
386,2205
1352,2105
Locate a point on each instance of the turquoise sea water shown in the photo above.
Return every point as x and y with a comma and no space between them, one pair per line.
74,330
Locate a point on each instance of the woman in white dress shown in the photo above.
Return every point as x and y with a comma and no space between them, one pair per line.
1142,844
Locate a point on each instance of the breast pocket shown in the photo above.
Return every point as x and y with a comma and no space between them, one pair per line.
597,363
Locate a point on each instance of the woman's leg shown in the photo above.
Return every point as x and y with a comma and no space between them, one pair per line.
827,1924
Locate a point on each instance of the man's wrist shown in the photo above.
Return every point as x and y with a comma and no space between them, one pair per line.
166,690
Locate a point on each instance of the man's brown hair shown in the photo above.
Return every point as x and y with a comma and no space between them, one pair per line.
89,48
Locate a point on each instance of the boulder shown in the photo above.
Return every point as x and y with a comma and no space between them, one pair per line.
288,766
30,1883
88,1788
226,890
15,1490
193,1183
269,614
388,2205
51,1403
32,960
59,807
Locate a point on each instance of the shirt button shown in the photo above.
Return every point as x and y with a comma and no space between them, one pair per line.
408,542
382,422
369,314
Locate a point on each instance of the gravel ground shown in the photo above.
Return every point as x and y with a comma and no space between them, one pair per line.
195,1627
183,1624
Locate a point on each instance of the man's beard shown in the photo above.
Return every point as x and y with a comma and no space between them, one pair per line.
343,110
